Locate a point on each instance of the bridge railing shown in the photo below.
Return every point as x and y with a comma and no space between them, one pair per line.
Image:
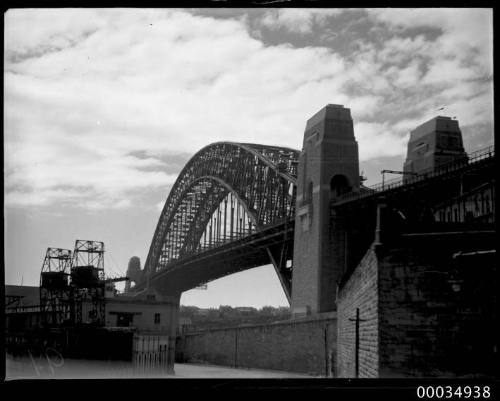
473,157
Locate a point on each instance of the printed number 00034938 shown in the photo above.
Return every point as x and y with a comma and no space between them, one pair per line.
466,392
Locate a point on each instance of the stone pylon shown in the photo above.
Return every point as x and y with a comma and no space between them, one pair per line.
328,167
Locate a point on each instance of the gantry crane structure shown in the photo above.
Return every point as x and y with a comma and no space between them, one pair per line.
55,291
71,282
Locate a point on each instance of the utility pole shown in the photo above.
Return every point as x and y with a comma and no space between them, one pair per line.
357,320
236,348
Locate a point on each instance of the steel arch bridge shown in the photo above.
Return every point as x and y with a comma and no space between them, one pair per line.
231,209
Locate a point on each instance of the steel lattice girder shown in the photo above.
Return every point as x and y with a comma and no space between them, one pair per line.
261,178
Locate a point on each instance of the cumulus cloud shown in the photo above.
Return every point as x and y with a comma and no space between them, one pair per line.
100,103
49,31
463,30
161,83
298,20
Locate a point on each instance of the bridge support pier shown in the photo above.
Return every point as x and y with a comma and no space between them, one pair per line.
328,167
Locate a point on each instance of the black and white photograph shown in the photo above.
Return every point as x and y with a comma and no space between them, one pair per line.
251,193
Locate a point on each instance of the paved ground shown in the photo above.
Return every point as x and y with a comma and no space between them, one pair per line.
38,368
191,370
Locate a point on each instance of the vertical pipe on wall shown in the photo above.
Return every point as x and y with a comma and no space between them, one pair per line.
357,344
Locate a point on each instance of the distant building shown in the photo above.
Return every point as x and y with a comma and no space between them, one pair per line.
245,309
21,297
147,312
22,307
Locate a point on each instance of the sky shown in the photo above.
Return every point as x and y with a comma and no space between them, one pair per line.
104,107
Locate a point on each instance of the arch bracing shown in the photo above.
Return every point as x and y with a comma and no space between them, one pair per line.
227,192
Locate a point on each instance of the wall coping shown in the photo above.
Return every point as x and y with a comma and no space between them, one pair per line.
320,317
118,300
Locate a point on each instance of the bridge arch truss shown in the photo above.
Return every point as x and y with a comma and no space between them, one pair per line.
227,191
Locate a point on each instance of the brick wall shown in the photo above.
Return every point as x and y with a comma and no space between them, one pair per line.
304,345
359,291
437,312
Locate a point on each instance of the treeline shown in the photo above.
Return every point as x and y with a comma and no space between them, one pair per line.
195,318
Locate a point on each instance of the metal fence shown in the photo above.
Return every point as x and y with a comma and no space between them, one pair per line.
474,157
151,354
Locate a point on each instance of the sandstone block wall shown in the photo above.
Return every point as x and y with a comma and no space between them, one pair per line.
427,307
437,312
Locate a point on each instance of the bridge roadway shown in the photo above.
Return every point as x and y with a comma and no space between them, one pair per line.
225,259
429,185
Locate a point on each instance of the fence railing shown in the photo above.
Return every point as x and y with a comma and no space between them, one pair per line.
152,354
386,185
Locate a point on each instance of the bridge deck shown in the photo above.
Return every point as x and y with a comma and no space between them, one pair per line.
217,262
481,159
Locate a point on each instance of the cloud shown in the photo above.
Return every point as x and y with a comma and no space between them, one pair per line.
73,116
100,104
379,140
298,20
50,30
466,34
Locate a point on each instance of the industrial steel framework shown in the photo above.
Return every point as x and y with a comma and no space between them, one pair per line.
55,293
227,192
87,281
